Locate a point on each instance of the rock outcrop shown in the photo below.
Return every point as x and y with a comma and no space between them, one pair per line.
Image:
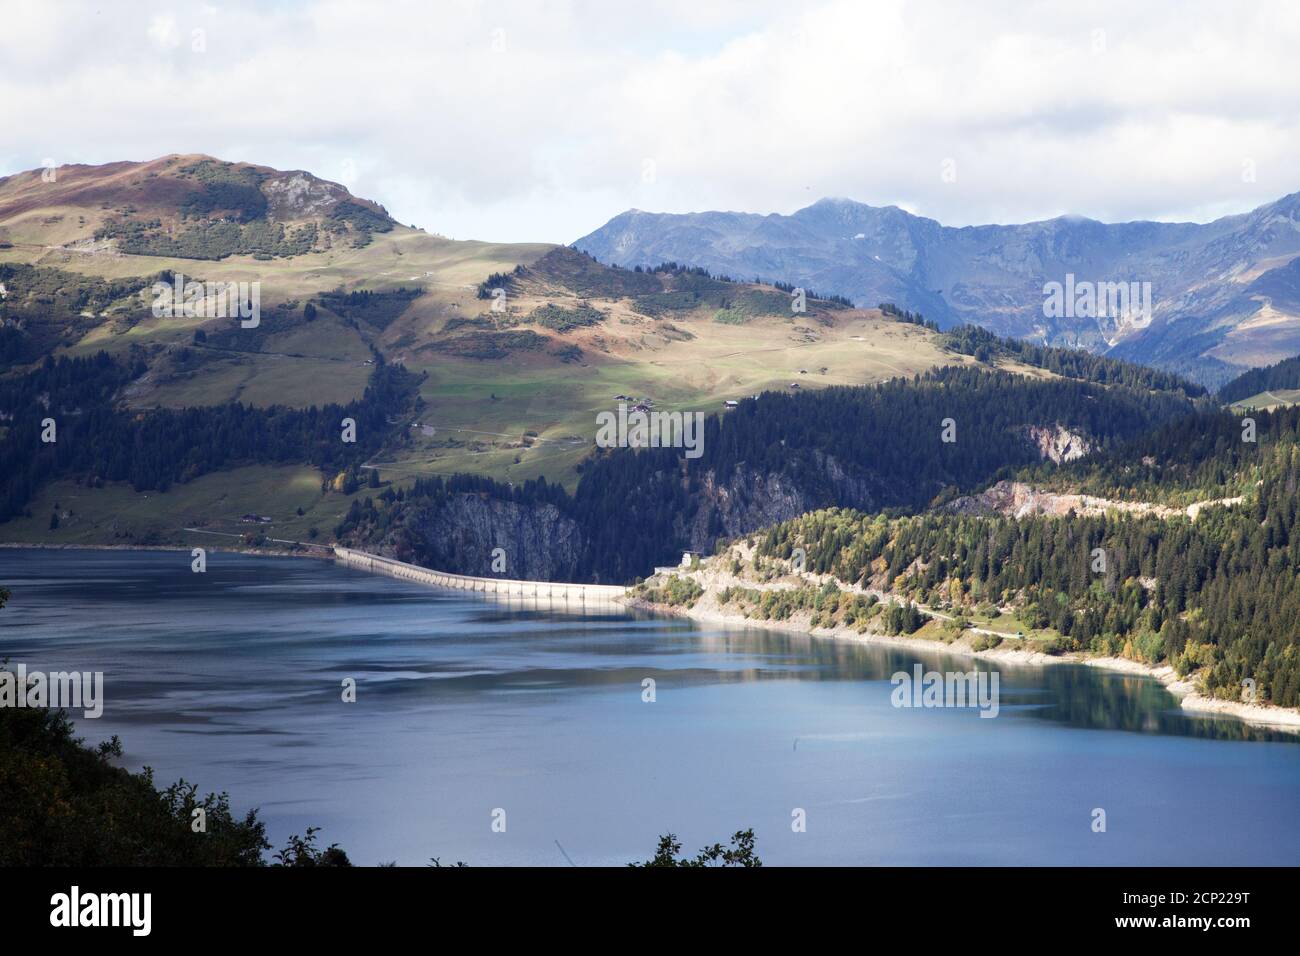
1058,443
460,534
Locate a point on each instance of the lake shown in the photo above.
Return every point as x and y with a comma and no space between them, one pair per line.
233,680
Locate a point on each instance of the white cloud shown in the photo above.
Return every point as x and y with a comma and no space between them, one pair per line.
535,121
163,32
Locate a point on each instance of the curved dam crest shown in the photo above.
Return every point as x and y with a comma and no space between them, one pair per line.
554,593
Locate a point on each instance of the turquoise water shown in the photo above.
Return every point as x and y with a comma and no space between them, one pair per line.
232,679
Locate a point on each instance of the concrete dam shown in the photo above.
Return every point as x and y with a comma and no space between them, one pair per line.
576,597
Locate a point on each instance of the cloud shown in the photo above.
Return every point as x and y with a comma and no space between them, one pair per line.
527,121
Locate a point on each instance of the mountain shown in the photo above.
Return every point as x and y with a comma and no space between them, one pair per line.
515,374
189,206
506,384
1223,295
484,366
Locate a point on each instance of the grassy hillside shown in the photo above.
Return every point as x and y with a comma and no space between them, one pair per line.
213,505
1273,386
1268,399
520,345
80,281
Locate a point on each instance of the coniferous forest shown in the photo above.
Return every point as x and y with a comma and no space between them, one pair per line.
1221,590
878,447
94,440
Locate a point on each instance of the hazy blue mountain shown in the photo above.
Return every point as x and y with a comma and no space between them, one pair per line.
1224,295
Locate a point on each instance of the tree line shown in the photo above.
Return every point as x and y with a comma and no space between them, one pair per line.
94,440
1220,593
1071,363
1283,375
877,447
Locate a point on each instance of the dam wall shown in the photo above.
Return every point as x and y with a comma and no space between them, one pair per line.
554,594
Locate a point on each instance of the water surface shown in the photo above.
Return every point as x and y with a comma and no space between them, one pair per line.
232,679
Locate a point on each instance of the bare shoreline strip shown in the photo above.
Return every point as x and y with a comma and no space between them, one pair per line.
1184,691
318,552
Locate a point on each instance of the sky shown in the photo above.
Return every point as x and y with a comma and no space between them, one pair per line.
539,121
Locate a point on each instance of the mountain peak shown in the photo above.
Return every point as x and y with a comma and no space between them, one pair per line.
994,275
189,205
836,201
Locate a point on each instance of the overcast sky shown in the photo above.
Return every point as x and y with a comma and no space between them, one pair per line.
540,121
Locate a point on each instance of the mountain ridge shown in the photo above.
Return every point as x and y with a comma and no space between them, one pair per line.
994,274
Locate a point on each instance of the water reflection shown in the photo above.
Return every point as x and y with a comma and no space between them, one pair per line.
231,679
1065,693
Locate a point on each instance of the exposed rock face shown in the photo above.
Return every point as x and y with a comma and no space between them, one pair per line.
300,195
750,500
459,535
543,543
1015,499
1058,443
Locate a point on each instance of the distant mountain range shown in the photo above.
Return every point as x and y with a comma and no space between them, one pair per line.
1224,296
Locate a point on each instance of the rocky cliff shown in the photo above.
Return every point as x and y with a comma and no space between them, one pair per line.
749,500
462,533
1058,443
